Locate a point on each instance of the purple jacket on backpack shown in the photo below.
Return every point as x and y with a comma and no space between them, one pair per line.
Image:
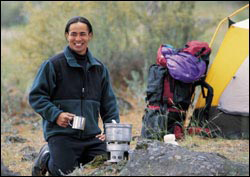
184,66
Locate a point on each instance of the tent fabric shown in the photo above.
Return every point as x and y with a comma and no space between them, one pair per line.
243,24
226,125
229,77
232,53
235,98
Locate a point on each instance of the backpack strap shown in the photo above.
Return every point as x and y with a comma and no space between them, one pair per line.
208,97
199,53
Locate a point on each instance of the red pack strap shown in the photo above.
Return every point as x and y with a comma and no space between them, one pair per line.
154,107
168,94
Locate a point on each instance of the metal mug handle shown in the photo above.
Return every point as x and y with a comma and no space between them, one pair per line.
70,123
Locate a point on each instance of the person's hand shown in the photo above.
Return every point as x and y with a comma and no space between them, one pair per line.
101,137
64,118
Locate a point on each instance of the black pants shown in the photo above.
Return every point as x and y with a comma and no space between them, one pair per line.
67,153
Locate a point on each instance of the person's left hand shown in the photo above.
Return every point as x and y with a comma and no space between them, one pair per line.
101,137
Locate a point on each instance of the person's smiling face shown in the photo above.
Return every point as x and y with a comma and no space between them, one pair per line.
78,37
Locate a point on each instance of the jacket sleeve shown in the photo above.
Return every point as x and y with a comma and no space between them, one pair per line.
41,91
109,109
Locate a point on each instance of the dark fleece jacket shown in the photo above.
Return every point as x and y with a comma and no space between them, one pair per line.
62,85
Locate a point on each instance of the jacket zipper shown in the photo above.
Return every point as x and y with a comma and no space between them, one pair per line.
82,96
83,91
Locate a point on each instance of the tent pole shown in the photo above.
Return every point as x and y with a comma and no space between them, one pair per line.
224,20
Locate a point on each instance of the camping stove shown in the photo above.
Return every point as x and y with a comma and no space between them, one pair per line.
118,137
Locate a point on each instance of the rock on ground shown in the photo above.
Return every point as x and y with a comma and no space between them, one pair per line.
155,158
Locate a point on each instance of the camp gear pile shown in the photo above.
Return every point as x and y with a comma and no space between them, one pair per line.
171,84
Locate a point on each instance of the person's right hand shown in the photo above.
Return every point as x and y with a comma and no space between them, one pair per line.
64,118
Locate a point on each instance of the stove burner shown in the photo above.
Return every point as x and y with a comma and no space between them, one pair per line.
118,137
117,151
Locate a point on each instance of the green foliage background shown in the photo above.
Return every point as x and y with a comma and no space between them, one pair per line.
127,35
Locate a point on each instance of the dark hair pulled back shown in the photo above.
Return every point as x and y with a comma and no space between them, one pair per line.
78,19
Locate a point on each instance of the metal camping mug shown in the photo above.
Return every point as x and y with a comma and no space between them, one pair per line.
78,122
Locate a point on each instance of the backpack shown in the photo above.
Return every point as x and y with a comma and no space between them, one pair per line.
172,80
168,92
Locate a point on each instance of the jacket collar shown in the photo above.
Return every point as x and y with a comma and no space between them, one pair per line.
73,62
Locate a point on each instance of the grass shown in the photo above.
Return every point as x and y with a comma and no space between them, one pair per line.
10,152
235,150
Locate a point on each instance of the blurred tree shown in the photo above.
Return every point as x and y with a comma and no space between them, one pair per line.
127,34
169,22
